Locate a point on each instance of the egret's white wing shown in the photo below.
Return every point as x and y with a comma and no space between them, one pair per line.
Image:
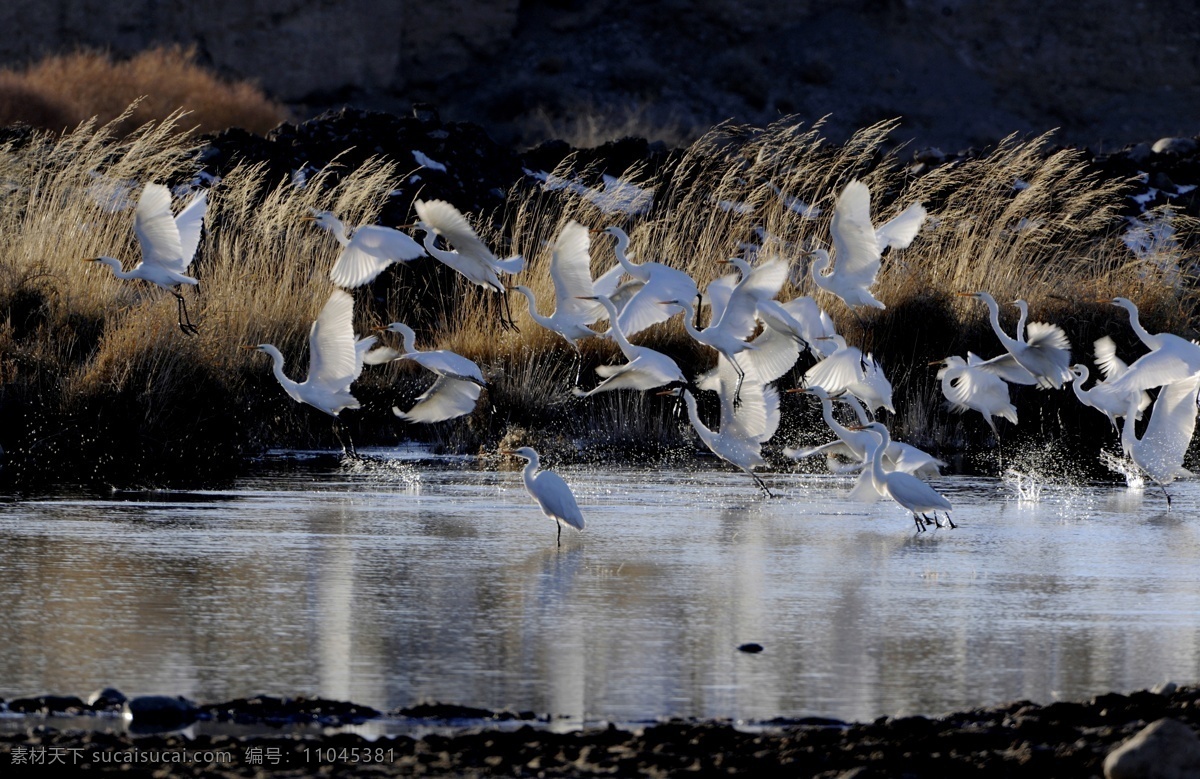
1169,432
447,363
449,222
773,355
1006,367
608,284
1157,368
370,251
1107,360
155,228
856,252
717,295
836,372
899,231
571,272
189,222
645,307
381,355
332,356
1043,335
763,283
556,498
446,399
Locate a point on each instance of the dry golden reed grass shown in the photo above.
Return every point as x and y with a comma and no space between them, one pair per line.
1016,222
61,91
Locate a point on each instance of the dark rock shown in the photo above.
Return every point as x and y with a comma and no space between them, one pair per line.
1166,749
160,711
48,704
107,699
751,648
1174,146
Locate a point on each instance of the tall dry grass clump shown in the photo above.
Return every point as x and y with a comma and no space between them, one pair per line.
96,379
61,91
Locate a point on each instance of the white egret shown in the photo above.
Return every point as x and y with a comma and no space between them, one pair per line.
659,282
335,360
458,383
168,244
550,491
970,385
366,251
574,306
1160,450
904,488
847,369
1101,396
801,319
854,443
469,256
744,428
1172,358
1044,351
646,368
858,245
735,319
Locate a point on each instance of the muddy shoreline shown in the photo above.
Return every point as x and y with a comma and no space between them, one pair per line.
1017,739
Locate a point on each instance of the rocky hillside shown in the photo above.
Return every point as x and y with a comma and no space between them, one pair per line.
960,73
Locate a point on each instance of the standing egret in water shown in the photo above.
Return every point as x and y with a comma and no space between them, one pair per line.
574,305
1160,450
1043,349
904,488
168,244
646,369
858,246
550,491
659,282
367,251
458,383
469,255
335,360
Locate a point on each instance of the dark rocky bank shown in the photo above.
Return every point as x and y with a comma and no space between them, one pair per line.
1154,730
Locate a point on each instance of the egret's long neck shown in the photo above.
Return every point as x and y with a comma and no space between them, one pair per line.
338,228
613,327
277,368
818,268
877,472
544,321
1024,307
1080,380
531,469
434,251
827,415
860,411
1135,321
694,416
410,340
994,316
115,264
689,315
621,250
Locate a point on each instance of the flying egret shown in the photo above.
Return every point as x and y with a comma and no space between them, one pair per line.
1172,358
469,255
550,491
659,282
570,270
1101,396
458,383
734,318
858,245
1043,351
168,244
366,251
801,319
335,360
646,368
904,488
971,385
854,443
744,428
1160,450
847,369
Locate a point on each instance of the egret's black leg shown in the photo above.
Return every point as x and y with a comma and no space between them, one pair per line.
185,322
559,532
919,522
951,521
737,392
344,439
1167,494
762,484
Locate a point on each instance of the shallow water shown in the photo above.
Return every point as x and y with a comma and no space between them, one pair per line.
412,579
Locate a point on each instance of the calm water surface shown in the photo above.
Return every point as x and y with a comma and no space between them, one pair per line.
411,579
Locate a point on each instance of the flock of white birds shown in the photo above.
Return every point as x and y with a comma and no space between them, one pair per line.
757,339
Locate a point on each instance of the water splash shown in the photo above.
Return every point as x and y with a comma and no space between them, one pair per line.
390,469
1133,475
1028,486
